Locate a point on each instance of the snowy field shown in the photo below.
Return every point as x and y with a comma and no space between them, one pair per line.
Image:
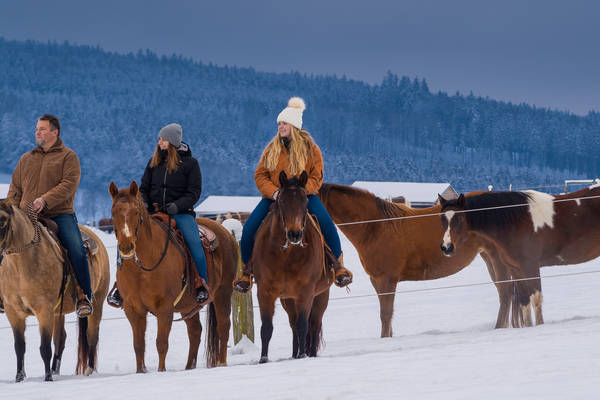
444,347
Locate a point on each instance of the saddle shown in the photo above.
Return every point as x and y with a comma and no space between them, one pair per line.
210,243
89,243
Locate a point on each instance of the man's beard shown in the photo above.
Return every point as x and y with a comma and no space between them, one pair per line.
40,142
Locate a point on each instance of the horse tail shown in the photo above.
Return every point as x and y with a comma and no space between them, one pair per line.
517,313
212,337
83,347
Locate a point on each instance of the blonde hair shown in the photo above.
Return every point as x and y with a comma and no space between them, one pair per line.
300,144
172,162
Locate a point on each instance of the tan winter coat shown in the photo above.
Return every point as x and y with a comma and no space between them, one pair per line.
54,175
267,181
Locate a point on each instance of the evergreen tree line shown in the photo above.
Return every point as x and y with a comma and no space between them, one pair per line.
112,106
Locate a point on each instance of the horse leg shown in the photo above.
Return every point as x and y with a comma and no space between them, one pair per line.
194,329
60,336
303,308
498,272
267,309
17,322
137,320
165,321
385,288
93,336
222,304
315,332
536,298
290,308
46,320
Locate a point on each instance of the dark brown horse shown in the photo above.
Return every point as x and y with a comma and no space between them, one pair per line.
31,277
529,231
142,242
288,260
399,250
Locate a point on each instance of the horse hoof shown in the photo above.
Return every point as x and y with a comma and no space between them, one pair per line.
20,376
303,355
263,359
48,377
88,371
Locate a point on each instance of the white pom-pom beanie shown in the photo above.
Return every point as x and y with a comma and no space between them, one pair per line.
292,114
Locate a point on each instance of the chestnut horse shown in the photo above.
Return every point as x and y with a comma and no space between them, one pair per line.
31,278
535,230
150,280
404,249
288,261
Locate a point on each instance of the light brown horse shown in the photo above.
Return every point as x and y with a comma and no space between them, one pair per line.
142,242
405,249
535,230
288,262
31,277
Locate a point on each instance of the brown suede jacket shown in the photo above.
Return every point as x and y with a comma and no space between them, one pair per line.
53,175
267,181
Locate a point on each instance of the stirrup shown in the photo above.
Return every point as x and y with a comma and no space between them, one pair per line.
114,298
243,284
84,307
205,299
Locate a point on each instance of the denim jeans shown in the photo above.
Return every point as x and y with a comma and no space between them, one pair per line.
187,225
70,237
315,207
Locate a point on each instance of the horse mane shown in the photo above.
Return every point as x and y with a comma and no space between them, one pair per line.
500,218
387,208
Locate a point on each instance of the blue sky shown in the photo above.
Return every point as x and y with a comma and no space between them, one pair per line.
540,52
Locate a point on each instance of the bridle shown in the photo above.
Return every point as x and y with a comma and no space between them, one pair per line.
37,236
285,229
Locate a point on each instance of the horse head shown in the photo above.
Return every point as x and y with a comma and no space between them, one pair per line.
292,203
128,214
453,224
6,213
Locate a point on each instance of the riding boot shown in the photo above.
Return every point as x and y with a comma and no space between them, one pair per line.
203,293
342,276
83,306
244,283
114,298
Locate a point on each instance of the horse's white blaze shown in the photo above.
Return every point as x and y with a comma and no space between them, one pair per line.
126,231
447,239
578,201
541,208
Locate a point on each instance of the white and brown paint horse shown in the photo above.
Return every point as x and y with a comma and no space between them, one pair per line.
529,230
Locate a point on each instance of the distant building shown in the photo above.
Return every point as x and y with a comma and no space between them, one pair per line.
220,208
415,194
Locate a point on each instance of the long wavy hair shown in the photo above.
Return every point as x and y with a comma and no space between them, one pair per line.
300,144
172,161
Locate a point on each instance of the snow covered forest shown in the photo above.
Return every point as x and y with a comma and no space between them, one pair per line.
112,105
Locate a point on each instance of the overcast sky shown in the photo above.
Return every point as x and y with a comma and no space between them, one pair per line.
543,52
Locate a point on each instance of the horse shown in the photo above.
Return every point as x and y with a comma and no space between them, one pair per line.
150,280
529,230
289,263
33,282
403,249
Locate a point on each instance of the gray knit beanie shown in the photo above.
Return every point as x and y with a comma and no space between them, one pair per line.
172,133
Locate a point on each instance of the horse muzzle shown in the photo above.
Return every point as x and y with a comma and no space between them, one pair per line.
295,237
126,253
447,250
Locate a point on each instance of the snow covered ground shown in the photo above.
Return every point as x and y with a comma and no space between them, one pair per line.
444,346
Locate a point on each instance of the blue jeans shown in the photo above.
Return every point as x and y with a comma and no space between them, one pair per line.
315,207
70,237
187,225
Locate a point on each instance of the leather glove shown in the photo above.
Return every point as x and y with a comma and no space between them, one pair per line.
171,208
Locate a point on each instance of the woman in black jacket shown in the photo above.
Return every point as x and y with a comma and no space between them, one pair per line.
172,183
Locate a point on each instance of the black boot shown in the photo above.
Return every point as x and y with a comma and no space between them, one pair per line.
1,306
114,298
203,294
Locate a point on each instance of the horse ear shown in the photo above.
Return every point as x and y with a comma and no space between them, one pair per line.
461,201
441,200
303,179
133,188
113,189
282,178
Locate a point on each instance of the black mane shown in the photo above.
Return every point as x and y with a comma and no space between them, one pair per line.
500,218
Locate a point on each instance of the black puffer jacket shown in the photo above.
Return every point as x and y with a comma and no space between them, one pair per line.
183,187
